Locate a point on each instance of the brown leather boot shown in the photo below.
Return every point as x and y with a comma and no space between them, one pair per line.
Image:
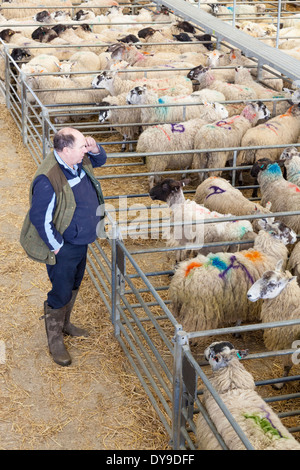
68,327
54,321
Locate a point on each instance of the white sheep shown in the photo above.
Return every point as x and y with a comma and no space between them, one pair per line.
224,133
114,84
294,262
210,292
80,61
183,111
206,78
185,211
282,129
236,388
283,195
291,159
130,54
121,116
175,136
280,293
61,94
218,194
47,62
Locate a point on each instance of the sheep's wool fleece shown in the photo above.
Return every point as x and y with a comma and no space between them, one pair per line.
213,293
283,195
285,306
294,262
237,390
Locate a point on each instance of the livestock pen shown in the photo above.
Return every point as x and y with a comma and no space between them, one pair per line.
131,268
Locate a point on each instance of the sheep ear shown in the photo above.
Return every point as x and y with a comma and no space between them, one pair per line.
279,266
242,353
185,182
293,278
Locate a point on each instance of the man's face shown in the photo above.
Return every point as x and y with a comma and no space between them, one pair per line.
76,153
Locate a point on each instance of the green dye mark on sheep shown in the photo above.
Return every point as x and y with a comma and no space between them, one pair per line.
265,425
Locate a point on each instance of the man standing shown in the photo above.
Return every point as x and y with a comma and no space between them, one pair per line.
64,217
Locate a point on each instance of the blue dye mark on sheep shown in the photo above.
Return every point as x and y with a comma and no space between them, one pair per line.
177,127
217,190
217,263
274,169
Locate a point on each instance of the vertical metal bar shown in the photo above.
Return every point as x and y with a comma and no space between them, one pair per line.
234,165
24,110
46,132
7,78
180,339
278,22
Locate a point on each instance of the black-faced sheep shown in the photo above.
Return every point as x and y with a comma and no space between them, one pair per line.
283,195
280,293
186,211
236,388
225,133
210,292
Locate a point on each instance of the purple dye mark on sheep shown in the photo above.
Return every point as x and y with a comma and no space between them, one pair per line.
177,127
236,266
217,190
268,414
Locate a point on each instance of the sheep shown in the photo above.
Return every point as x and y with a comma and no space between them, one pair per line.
49,63
218,194
134,57
291,158
209,292
283,195
157,36
243,77
112,82
236,388
185,211
294,262
224,133
282,129
232,92
240,10
141,95
99,7
170,137
280,293
60,93
121,116
81,61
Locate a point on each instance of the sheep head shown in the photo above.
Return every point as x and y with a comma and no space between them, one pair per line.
289,153
166,188
271,284
42,17
145,33
278,230
135,95
220,353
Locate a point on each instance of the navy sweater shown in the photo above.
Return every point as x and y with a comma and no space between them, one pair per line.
82,229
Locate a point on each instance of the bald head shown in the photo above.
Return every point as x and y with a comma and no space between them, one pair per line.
66,137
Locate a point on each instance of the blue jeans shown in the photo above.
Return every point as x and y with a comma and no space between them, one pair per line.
66,275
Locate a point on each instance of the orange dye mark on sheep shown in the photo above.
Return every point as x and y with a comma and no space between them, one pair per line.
287,114
254,256
166,134
192,265
295,187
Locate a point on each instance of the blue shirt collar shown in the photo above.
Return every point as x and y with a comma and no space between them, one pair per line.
64,164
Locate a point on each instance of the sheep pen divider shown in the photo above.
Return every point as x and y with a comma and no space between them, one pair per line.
153,341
